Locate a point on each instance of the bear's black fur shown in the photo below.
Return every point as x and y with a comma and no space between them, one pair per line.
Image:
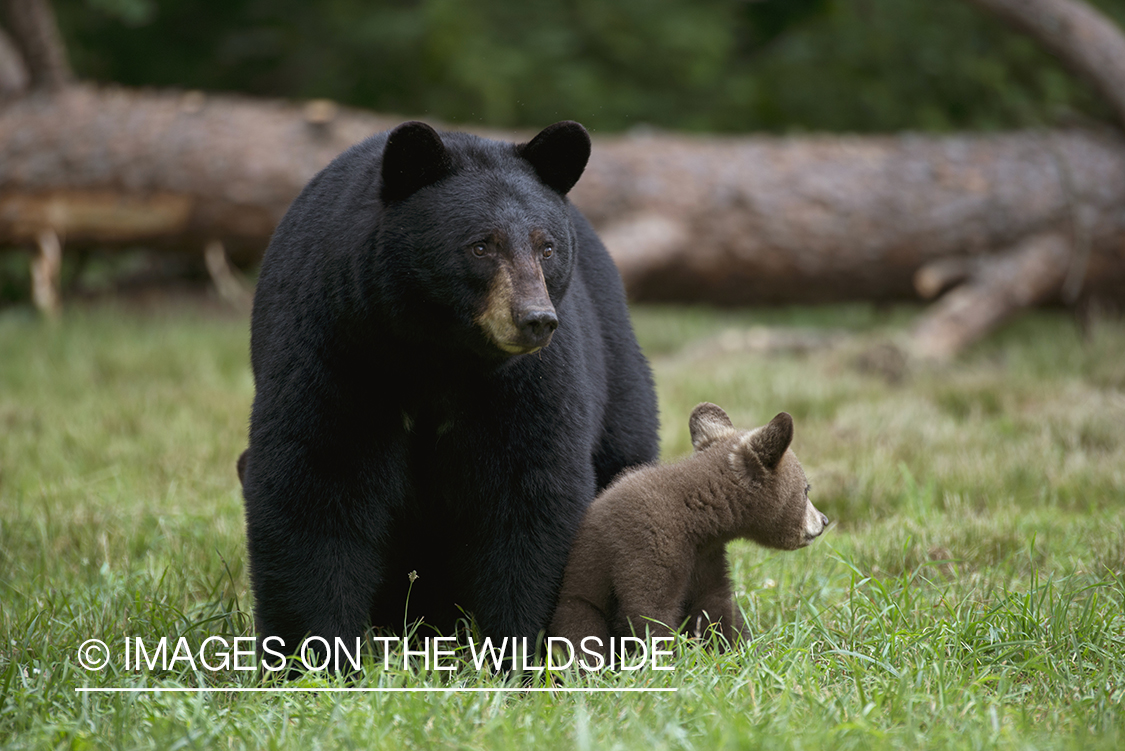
416,408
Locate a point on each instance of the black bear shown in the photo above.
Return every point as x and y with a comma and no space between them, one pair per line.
651,551
445,377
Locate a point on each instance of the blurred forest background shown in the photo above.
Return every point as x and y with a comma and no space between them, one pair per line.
926,145
696,65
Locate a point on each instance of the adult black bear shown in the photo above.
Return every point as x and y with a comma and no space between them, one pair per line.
409,414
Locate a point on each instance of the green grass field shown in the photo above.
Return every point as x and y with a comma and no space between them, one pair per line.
971,593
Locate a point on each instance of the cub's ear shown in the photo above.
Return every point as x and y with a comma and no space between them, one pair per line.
413,158
771,442
708,423
559,154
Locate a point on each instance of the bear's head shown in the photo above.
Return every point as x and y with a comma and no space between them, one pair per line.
476,244
773,504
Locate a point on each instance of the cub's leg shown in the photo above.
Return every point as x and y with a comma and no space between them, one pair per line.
577,619
710,601
585,596
651,601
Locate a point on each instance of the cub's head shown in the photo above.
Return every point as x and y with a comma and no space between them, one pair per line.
476,243
774,507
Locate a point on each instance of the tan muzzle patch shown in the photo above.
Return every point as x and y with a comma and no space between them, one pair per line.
815,522
496,318
500,319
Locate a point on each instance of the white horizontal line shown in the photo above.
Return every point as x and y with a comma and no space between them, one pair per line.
289,690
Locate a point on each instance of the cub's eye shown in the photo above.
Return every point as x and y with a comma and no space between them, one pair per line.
479,249
548,251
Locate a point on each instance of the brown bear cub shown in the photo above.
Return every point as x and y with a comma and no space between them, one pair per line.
651,550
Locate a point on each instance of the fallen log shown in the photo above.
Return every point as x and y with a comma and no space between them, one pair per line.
813,219
729,221
107,167
1046,265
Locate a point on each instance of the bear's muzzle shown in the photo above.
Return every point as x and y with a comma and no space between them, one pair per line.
815,522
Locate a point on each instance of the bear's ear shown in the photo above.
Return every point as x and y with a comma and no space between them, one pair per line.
770,443
708,423
559,154
413,158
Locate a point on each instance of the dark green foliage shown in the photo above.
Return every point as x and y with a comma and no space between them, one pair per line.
726,65
15,278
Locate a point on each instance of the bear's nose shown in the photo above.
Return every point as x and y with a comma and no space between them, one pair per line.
824,519
537,325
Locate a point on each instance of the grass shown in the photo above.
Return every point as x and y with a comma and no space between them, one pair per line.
971,593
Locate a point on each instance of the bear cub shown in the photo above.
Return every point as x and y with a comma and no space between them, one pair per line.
650,552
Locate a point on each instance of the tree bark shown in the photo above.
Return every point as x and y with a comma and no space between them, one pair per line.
1025,275
106,167
36,35
1078,34
45,271
13,72
1046,265
813,219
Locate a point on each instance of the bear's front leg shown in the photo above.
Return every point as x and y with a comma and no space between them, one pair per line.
316,545
311,583
515,568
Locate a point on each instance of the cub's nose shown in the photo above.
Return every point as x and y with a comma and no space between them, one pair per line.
815,522
537,325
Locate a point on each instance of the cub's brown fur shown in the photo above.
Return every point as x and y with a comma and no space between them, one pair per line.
651,550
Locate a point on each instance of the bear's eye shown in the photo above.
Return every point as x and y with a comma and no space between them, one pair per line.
479,249
548,251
